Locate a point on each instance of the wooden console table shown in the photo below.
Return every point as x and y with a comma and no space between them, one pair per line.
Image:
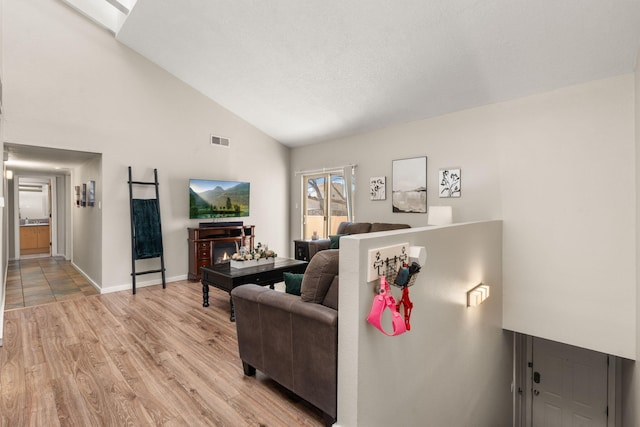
207,244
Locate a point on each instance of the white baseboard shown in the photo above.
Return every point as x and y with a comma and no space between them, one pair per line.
127,286
86,276
139,284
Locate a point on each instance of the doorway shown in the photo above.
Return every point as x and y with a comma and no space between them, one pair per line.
565,385
61,168
36,218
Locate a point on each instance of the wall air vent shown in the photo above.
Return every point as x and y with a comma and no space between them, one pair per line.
220,141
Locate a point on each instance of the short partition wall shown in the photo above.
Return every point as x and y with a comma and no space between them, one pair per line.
454,367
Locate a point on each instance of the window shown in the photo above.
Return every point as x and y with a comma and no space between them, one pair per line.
326,201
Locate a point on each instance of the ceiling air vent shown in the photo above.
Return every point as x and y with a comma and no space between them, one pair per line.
220,141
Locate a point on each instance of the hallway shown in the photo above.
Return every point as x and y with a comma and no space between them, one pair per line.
41,280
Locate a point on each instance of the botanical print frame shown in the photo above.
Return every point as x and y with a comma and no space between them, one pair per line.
91,199
378,187
450,182
409,191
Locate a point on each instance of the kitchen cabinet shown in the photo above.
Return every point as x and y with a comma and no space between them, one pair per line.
34,239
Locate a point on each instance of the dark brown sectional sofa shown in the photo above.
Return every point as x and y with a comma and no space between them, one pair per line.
346,228
294,339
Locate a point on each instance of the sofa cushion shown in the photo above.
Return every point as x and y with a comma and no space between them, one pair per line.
331,299
353,228
381,226
292,282
319,275
342,227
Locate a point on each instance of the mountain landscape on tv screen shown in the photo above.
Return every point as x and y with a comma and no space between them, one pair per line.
219,202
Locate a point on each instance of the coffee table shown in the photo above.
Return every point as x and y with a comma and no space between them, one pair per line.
225,277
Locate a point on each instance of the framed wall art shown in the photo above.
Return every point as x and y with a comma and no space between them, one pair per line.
449,183
378,188
91,197
409,192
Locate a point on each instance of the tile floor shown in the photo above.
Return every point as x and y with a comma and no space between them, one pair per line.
41,280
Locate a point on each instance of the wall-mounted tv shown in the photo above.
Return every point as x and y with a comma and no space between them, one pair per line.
218,199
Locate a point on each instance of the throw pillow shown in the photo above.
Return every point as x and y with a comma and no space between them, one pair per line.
334,241
292,283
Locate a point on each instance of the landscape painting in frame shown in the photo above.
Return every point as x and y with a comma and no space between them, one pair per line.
218,199
410,185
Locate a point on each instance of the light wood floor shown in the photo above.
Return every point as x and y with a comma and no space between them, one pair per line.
156,358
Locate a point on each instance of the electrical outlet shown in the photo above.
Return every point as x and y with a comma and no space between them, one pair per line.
377,260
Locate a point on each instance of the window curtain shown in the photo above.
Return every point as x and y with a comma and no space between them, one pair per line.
348,173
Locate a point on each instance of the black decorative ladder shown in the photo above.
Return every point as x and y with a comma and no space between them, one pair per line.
146,231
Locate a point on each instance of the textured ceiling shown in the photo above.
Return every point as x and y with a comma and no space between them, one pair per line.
308,71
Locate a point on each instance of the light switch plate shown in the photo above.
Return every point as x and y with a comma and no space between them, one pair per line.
377,259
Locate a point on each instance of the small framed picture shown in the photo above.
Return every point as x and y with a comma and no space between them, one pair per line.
84,195
78,199
91,198
449,183
378,188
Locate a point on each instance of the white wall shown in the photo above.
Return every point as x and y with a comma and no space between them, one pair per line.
34,205
630,375
3,220
71,85
634,403
453,368
559,168
441,139
87,222
568,180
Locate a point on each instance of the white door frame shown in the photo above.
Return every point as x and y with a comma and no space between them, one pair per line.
523,384
53,223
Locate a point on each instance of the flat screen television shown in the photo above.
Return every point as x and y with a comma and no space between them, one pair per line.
218,199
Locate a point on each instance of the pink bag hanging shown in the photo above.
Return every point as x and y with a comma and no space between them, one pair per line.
382,301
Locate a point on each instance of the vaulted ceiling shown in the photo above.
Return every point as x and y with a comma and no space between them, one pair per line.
308,71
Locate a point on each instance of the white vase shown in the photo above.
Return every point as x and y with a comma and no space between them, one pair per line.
252,262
